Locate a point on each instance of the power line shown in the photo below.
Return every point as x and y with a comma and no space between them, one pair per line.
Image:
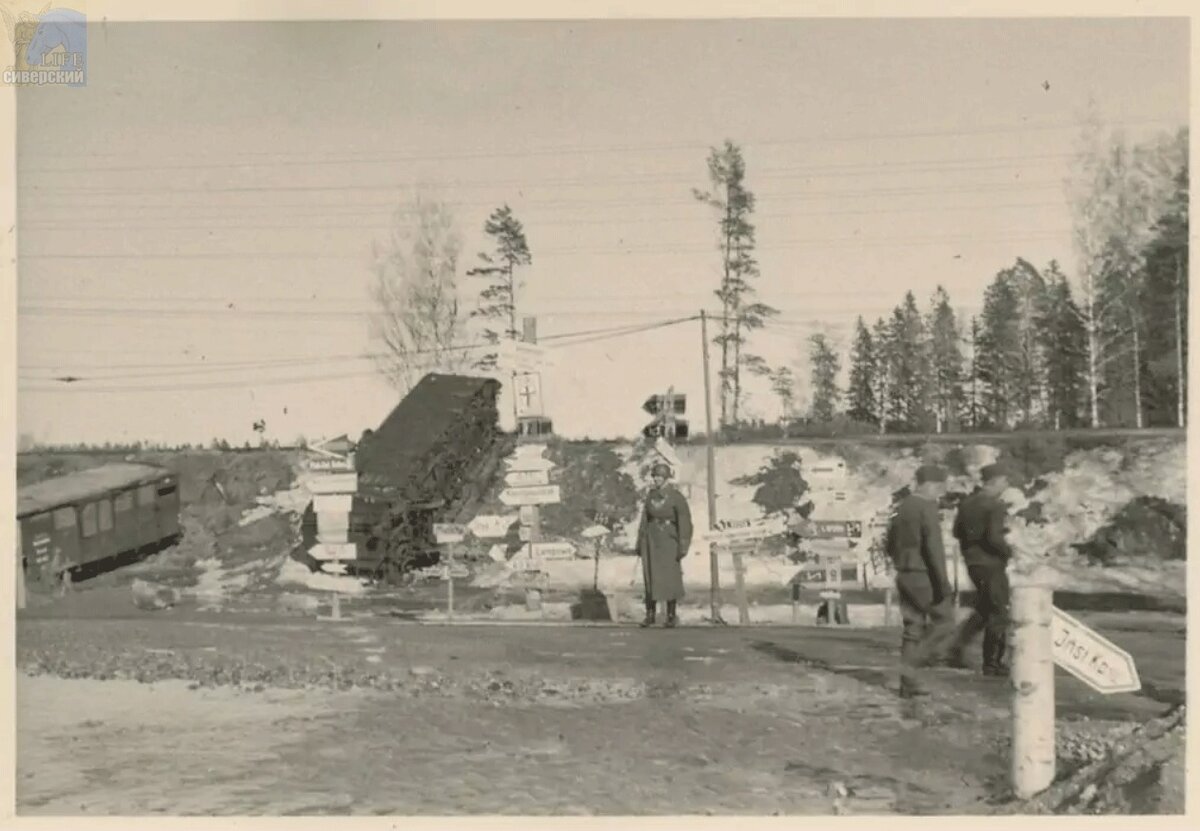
236,225
815,242
1000,129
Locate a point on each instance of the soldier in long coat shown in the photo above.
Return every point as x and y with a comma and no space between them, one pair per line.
664,536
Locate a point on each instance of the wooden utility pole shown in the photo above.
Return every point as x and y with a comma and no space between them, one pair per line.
710,442
1181,378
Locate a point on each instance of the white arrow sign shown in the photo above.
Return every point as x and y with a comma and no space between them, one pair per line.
1093,659
753,531
553,550
527,463
334,551
527,477
594,531
543,495
490,526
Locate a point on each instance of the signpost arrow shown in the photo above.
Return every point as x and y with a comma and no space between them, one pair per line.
490,526
1093,659
527,477
543,495
553,550
594,531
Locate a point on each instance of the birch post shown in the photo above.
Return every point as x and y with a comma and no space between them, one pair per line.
1033,754
18,558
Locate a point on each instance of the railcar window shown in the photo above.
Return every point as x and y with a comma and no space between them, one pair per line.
87,520
64,518
166,490
106,522
123,502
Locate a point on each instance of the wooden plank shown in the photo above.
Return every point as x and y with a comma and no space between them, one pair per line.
739,576
337,503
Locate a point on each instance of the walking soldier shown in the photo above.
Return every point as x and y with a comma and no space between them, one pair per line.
914,543
979,527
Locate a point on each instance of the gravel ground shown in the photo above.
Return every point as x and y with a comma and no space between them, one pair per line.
372,716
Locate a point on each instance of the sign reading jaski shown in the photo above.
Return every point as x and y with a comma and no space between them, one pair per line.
553,550
490,526
447,533
527,477
542,495
1091,658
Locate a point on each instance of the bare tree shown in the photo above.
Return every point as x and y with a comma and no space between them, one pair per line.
418,320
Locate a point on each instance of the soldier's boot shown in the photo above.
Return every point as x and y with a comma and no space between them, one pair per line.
672,621
650,610
993,656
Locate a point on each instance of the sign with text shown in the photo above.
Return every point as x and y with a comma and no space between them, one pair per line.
829,529
1093,659
334,551
448,533
544,495
331,464
527,477
593,532
553,550
746,531
490,526
334,483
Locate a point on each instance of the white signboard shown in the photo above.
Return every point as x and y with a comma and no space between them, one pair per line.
527,477
334,483
529,394
1091,658
333,551
490,526
554,550
749,532
333,568
544,495
335,503
332,464
498,553
518,356
447,533
526,514
594,531
526,463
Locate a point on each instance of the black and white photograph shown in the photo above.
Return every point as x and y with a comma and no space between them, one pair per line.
433,410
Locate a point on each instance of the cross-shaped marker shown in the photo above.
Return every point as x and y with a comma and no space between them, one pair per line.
527,393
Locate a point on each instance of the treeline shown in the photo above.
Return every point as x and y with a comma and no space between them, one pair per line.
1109,350
152,447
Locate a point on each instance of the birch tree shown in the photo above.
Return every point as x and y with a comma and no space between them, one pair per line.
418,319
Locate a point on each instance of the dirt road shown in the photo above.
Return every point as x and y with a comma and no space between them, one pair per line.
371,716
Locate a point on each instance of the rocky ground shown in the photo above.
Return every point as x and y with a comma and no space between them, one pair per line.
203,713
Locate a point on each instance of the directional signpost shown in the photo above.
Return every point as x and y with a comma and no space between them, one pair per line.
528,478
553,550
666,410
490,526
737,535
1042,637
1093,659
449,535
539,495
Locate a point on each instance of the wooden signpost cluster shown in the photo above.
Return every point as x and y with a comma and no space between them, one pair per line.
333,492
1042,637
527,480
740,537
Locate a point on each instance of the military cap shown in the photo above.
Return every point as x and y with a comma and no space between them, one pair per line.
930,473
661,467
993,471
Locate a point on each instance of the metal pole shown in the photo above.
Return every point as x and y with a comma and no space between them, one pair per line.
710,441
1033,752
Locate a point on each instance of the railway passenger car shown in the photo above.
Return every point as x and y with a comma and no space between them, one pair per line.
74,522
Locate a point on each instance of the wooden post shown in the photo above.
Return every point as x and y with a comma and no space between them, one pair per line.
888,600
1033,753
739,576
711,452
20,556
450,582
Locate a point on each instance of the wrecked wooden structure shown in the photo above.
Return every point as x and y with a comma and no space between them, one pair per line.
432,456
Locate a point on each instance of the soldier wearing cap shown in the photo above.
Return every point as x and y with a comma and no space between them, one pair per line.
914,543
664,536
979,528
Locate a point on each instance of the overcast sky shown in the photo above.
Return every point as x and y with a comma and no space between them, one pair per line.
211,197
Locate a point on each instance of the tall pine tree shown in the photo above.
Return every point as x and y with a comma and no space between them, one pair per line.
947,363
825,368
1062,341
862,403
